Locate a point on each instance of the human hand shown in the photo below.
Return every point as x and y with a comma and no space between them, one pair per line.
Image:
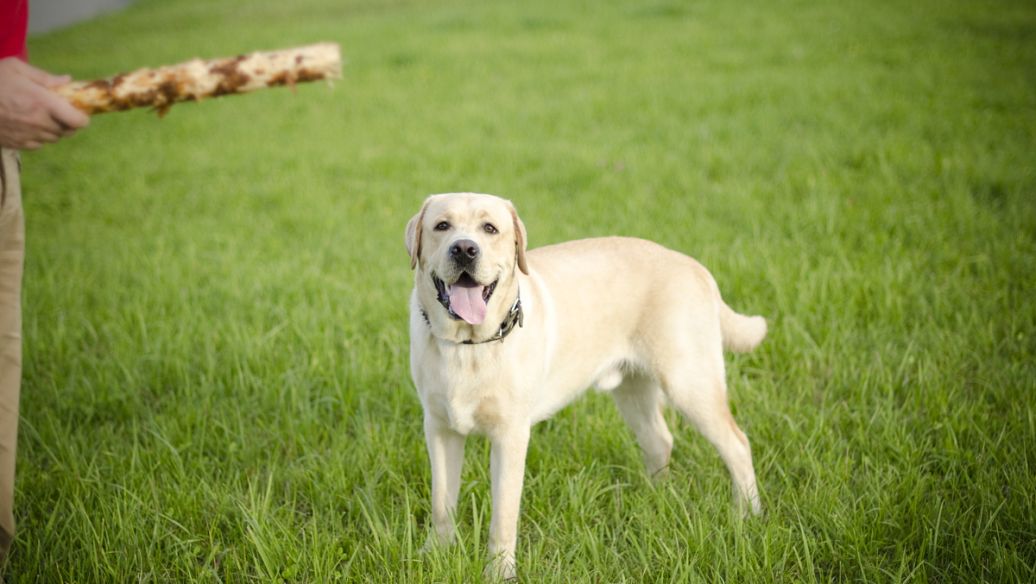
32,115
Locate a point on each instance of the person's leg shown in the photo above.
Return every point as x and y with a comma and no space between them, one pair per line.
12,253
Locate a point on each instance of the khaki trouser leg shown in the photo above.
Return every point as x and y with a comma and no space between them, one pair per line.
12,253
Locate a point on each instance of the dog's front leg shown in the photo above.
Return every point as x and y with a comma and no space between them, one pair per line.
507,467
446,453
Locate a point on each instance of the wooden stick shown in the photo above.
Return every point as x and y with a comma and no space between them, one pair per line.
197,79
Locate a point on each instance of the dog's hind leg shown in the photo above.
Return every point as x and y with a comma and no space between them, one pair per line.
640,401
701,396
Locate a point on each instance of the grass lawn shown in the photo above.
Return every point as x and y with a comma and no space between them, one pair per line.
216,384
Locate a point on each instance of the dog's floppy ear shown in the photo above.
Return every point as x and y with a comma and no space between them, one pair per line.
413,236
520,240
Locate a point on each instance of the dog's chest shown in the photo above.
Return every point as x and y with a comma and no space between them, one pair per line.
471,393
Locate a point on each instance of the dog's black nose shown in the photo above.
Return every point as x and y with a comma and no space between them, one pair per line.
464,251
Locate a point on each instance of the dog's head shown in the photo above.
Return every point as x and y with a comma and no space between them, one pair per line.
466,248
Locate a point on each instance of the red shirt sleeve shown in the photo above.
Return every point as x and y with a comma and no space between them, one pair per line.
14,22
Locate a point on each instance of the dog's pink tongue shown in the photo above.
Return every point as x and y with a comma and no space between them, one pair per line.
467,303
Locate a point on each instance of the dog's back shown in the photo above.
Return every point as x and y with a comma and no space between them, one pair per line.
641,282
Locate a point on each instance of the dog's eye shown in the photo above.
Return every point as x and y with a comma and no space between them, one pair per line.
442,226
490,228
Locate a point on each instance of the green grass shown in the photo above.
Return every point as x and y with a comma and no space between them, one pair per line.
216,384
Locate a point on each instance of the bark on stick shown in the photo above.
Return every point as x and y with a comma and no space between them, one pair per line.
196,80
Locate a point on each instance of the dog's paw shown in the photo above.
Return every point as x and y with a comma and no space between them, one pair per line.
748,506
659,476
501,568
436,541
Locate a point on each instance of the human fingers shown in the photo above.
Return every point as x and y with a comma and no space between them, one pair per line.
46,137
34,120
65,113
39,76
39,133
28,139
59,108
57,81
51,113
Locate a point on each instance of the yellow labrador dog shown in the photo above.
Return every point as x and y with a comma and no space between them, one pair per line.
502,338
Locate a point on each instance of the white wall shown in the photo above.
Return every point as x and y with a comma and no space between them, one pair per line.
45,15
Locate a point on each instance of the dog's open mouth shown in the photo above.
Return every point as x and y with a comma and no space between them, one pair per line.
464,299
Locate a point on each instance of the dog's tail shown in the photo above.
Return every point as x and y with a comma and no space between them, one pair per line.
741,333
